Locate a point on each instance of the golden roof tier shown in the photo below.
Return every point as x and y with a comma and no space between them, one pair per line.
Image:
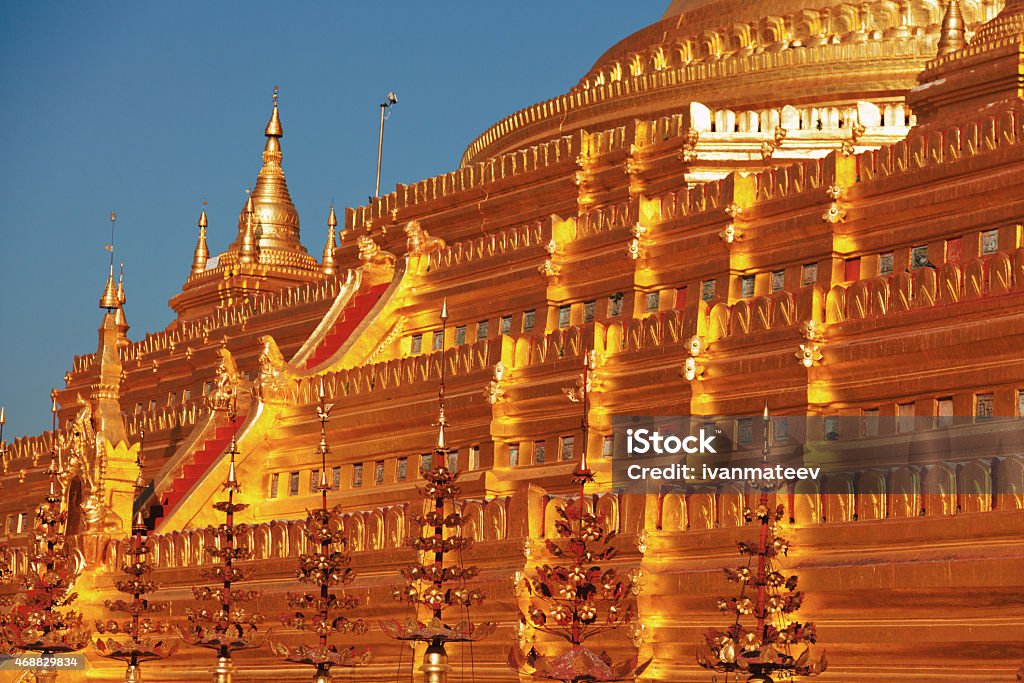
742,55
266,255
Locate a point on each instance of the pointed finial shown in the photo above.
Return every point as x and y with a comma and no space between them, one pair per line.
951,35
202,253
53,401
328,264
249,208
765,417
248,250
274,129
120,287
444,310
3,416
110,300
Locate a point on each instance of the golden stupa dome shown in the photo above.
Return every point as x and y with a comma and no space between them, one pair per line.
742,55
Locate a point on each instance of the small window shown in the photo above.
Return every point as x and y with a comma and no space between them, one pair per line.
984,407
919,257
745,431
680,298
378,473
336,478
152,404
438,342
22,522
538,452
275,480
885,263
417,343
453,461
607,446
564,316
460,335
567,443
138,408
314,481
207,388
809,274
293,484
186,395
481,330
707,290
747,286
778,280
357,475
402,470
615,305
506,324
780,430
851,269
944,411
1020,403
474,458
905,413
513,455
870,424
831,428
529,318
12,525
653,301
589,311
426,462
990,241
172,399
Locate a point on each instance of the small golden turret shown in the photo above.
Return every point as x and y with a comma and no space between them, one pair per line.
951,36
110,299
121,298
202,252
328,265
247,253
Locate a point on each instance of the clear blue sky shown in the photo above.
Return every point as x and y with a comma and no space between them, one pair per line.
146,108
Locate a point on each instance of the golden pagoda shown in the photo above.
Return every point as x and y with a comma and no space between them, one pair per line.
819,204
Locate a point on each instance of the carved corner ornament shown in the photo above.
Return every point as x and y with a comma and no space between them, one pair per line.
809,355
494,393
688,153
635,248
767,150
549,268
419,242
692,369
836,211
731,233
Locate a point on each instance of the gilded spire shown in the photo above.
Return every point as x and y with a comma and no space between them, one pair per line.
248,247
110,300
442,422
202,252
951,36
121,298
328,262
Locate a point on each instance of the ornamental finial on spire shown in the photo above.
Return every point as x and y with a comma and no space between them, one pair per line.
274,129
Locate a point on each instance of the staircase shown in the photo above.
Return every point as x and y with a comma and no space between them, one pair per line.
346,323
195,467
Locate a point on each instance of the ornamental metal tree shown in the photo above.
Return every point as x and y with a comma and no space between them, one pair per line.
578,599
142,639
777,646
433,583
40,621
325,566
227,626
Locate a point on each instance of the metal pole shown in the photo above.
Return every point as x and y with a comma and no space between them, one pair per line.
380,149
